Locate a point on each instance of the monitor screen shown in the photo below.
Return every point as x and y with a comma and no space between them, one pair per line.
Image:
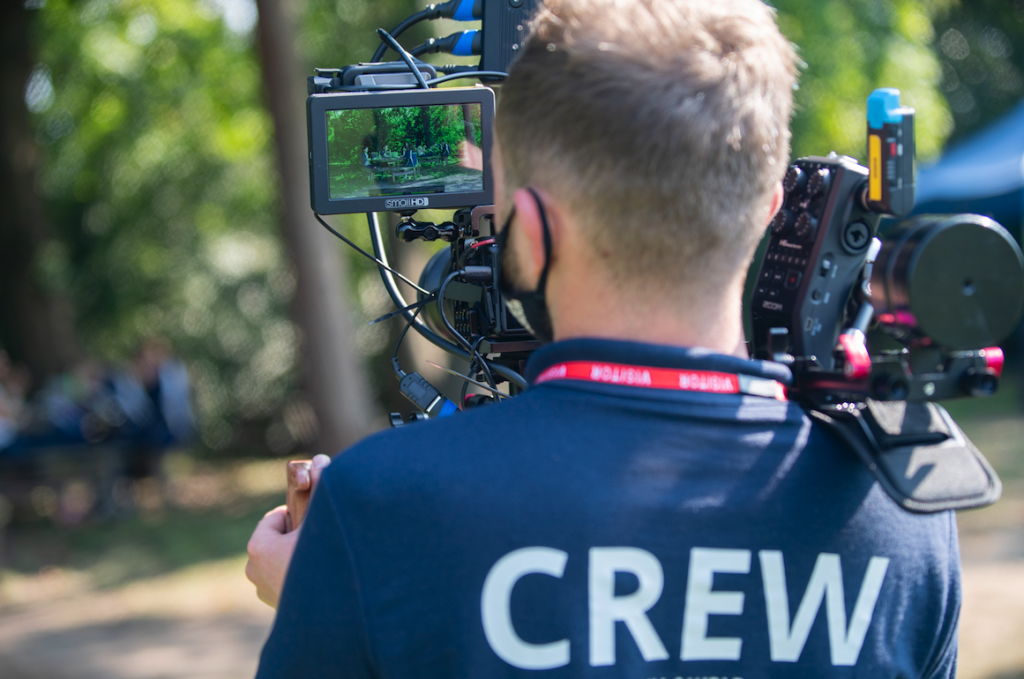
404,150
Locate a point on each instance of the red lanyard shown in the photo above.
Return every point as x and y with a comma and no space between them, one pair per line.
664,378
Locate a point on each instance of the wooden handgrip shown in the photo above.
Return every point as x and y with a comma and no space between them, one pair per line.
297,499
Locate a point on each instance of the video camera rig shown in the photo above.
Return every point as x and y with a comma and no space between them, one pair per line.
877,316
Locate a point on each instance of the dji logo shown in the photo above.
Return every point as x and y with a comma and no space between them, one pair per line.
393,203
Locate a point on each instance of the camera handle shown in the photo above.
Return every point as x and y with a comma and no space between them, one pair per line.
409,230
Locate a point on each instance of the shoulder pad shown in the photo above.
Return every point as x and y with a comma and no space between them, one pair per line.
919,455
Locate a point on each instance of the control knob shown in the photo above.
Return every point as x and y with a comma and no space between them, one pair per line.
796,179
818,182
805,227
782,221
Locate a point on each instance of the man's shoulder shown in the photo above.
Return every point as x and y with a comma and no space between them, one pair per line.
408,453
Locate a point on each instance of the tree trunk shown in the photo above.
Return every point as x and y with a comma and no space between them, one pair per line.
333,373
36,327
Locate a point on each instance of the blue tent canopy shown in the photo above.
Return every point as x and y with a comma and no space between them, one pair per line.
983,175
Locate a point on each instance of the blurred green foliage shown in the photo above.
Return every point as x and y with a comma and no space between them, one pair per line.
160,171
980,44
852,47
160,179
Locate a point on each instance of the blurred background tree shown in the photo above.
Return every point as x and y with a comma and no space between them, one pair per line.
849,49
157,175
980,45
147,180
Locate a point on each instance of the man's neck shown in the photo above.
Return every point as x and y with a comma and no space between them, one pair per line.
686,318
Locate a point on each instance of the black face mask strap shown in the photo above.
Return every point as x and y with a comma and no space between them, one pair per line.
502,236
543,281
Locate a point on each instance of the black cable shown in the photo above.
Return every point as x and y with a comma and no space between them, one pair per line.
477,357
467,74
409,86
371,88
484,364
440,309
422,15
396,296
366,254
465,388
396,312
406,57
398,344
444,317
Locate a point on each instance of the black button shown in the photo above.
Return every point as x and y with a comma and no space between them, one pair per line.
760,291
793,279
773,293
816,295
766,275
778,277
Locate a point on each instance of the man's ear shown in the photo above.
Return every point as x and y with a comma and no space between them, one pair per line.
529,241
778,195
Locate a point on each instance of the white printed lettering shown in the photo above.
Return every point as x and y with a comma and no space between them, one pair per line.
620,375
702,602
495,609
787,636
703,382
826,583
606,608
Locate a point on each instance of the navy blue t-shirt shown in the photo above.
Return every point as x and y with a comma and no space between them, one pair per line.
598,530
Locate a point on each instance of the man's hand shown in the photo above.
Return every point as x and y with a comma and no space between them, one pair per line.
270,548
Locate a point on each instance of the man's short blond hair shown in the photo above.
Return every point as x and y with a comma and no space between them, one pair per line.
662,124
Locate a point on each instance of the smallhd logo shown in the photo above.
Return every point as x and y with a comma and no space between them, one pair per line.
393,203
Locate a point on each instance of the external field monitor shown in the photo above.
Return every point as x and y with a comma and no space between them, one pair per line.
400,150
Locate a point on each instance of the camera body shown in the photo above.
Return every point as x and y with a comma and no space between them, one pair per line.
918,324
937,293
477,309
864,307
817,248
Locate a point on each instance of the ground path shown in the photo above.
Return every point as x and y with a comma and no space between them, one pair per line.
207,624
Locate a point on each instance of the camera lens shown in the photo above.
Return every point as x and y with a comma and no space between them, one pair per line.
957,280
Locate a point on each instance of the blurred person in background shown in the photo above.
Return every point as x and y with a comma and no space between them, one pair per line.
14,385
154,395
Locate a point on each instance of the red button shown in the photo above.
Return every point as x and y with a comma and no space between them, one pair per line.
994,360
892,148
